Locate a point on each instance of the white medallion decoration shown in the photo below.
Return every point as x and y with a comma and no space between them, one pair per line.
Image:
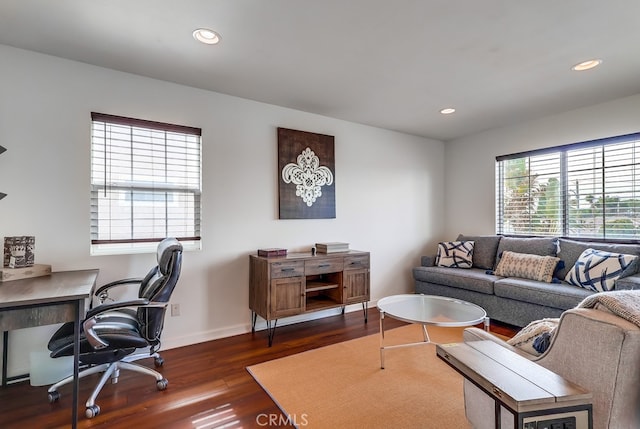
308,176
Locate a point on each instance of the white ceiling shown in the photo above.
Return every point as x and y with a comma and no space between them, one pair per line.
388,63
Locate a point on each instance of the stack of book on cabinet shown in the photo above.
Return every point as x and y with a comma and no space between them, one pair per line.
332,247
272,252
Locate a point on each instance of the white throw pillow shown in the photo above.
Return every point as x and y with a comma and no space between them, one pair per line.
598,270
455,254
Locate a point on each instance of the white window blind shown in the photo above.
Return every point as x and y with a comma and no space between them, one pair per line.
145,181
589,189
531,197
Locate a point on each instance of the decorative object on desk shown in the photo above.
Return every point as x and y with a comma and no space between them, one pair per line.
332,247
271,252
306,183
37,270
18,251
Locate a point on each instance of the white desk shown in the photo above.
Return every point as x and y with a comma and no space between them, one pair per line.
56,298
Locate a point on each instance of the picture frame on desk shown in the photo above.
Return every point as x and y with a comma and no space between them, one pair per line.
19,251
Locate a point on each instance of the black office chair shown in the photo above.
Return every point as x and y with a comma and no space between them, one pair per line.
113,331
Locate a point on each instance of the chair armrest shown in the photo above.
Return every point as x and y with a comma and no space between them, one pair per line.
428,261
92,337
106,287
102,293
115,305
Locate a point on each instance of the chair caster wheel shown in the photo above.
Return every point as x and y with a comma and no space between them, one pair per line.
158,362
92,411
162,384
54,396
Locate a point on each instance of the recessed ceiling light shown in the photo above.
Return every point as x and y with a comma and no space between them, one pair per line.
586,65
448,111
207,36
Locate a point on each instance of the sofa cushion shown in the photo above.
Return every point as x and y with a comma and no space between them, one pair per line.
474,279
543,246
526,266
455,254
557,295
598,270
484,249
570,250
628,283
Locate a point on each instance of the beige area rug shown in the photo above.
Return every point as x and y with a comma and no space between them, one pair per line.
342,385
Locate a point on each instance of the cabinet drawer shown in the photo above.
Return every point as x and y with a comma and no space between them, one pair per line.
355,262
287,269
323,266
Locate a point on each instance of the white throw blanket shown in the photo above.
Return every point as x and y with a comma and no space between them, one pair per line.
623,303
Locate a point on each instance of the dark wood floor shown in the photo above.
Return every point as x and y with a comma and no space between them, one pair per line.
209,386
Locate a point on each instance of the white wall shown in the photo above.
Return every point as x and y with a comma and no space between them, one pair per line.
470,161
388,188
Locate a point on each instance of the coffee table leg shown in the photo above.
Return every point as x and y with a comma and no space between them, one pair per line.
486,324
426,334
382,340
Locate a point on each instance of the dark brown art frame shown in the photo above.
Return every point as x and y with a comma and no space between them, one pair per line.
306,175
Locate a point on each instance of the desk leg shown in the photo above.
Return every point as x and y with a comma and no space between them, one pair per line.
5,356
76,364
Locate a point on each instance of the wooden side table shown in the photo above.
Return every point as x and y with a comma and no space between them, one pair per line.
504,390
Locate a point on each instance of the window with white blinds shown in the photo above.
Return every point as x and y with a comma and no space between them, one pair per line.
145,182
589,189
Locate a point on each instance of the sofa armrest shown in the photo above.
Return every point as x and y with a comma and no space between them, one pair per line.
627,283
428,261
477,334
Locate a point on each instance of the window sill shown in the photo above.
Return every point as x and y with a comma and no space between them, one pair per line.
137,248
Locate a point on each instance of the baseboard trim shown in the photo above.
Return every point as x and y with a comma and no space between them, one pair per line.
261,324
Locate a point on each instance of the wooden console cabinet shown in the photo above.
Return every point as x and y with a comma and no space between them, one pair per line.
301,283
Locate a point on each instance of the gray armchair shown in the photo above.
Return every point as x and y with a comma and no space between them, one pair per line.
597,350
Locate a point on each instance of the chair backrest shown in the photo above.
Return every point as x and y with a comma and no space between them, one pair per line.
157,287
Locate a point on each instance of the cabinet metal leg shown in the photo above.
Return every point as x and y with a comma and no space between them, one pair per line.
365,310
254,317
271,330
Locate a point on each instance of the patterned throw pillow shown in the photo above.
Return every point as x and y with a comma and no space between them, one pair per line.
598,270
455,254
526,266
536,336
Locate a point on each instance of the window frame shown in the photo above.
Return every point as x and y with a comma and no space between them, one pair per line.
170,192
565,216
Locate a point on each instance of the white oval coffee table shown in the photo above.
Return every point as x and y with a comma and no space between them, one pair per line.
428,310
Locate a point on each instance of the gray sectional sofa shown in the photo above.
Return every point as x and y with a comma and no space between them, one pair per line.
513,300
